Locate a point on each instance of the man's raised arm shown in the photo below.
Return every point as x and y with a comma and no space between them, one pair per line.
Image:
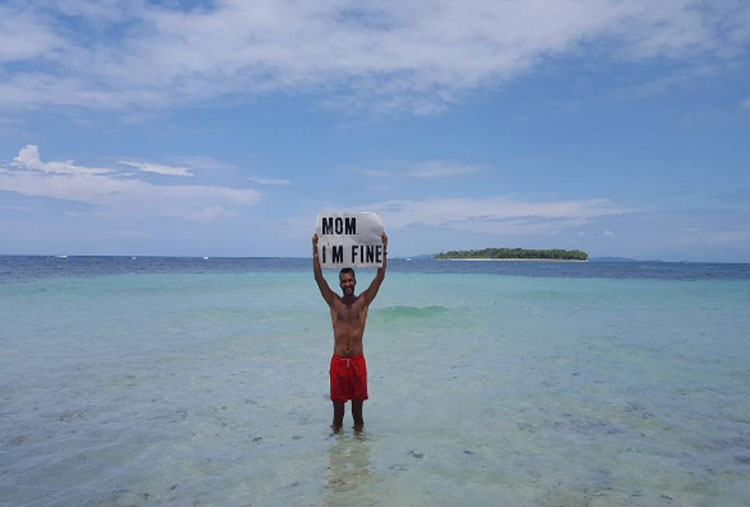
325,290
372,290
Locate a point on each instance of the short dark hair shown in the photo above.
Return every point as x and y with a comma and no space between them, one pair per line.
347,270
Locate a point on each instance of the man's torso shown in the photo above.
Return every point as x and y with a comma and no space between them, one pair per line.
348,319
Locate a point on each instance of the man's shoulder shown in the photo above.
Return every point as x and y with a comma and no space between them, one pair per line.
361,300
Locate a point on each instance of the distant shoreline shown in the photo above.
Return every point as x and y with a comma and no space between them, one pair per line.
512,260
514,254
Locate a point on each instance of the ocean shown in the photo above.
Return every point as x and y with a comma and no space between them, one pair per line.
192,381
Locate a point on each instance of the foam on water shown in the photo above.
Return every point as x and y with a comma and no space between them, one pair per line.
211,388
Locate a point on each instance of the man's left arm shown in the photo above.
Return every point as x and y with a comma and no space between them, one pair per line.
372,290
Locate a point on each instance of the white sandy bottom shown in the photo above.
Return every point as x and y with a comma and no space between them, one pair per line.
542,392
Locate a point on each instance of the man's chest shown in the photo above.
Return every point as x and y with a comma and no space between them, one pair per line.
349,314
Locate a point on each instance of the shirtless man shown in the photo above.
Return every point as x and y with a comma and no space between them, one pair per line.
348,371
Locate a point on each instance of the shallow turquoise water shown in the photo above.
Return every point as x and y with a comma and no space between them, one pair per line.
211,389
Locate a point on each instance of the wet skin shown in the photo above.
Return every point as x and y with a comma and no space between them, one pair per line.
348,318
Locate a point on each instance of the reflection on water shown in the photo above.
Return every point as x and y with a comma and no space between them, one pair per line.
349,471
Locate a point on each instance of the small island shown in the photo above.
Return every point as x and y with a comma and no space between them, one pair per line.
509,254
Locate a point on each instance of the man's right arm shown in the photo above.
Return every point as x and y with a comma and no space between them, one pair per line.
325,290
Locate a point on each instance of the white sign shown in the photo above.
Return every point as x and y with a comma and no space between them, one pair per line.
349,239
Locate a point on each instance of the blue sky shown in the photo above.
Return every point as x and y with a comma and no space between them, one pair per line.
222,128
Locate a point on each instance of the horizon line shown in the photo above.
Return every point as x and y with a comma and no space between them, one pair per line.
401,257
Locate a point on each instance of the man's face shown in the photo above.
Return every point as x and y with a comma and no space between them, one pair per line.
347,282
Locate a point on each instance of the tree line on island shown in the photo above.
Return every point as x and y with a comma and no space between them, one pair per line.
515,253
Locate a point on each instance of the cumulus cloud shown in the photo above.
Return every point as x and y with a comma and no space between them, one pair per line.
114,194
413,54
28,157
494,214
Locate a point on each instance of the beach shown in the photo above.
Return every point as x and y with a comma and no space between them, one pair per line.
182,383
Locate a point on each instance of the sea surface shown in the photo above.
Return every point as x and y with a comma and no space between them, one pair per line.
192,381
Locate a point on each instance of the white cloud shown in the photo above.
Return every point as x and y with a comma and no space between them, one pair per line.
270,181
23,37
494,214
28,158
413,54
609,233
158,169
115,195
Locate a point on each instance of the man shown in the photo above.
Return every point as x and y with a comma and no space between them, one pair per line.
348,371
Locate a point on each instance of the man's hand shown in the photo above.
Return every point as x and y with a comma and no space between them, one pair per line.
315,244
325,290
384,237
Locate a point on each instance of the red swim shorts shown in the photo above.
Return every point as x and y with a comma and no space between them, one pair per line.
348,378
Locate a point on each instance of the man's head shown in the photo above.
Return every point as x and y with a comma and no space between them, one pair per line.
347,281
